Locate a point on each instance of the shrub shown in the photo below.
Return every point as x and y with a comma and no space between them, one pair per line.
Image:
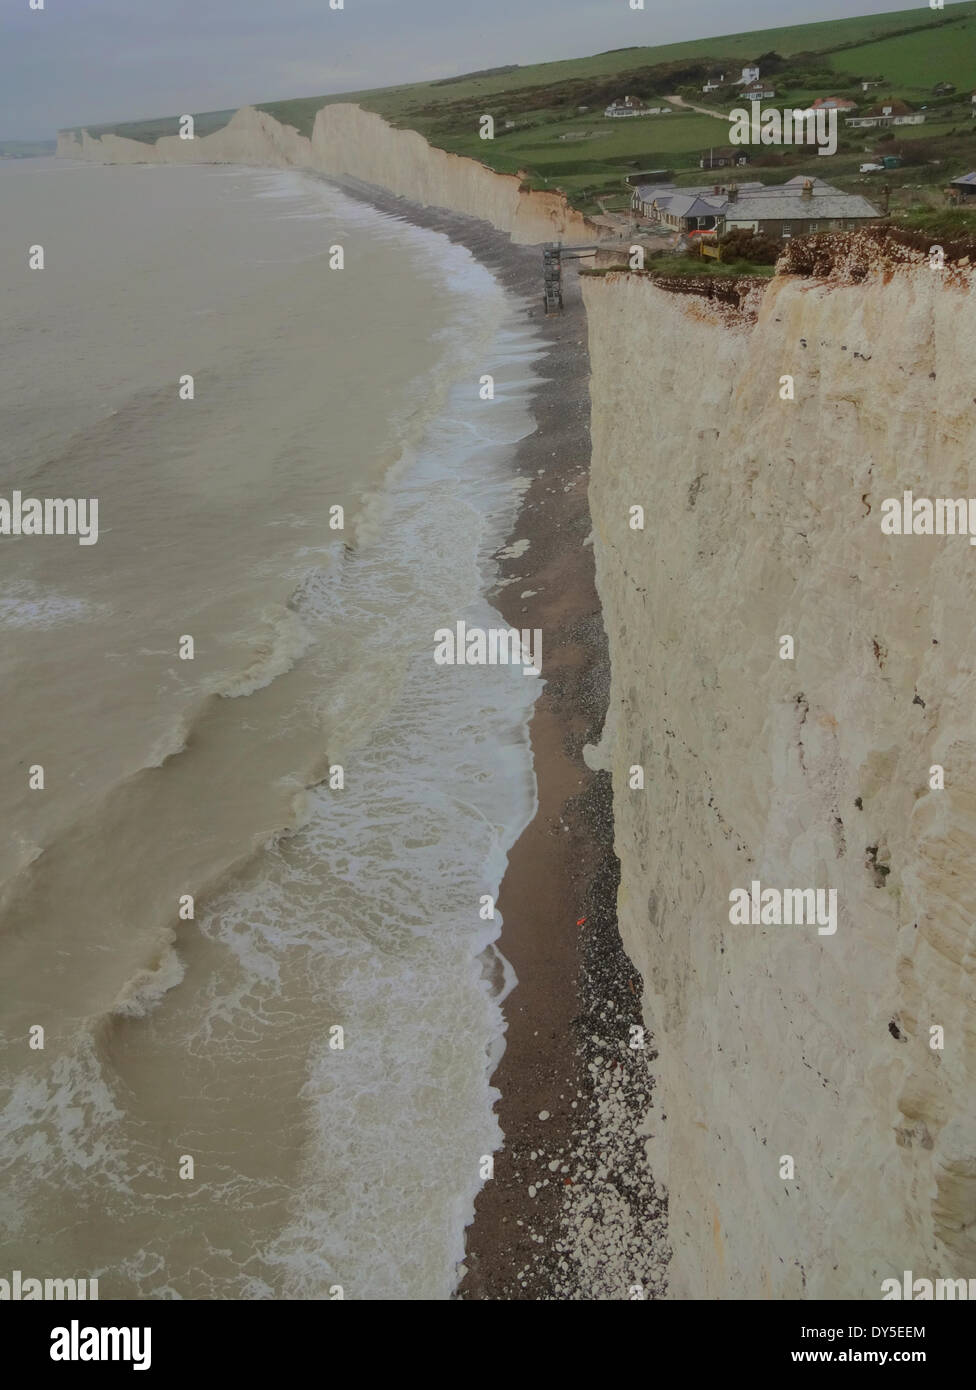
743,245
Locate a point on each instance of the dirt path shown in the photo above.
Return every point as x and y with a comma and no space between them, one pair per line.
702,110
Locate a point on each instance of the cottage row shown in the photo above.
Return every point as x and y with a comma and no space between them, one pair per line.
780,211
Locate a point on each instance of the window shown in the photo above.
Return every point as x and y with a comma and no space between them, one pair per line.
787,229
815,226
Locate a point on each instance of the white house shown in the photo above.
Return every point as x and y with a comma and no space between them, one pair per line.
759,91
630,106
748,75
891,113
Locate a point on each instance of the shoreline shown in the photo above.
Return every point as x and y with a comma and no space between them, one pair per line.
571,1212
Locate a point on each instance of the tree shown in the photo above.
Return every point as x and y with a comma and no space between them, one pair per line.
770,62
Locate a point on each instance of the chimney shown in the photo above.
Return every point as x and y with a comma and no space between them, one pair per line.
716,188
733,192
807,190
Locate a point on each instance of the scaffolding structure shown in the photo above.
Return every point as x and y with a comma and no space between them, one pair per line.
552,278
553,255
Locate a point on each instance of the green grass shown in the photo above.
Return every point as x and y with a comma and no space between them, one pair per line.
912,66
944,222
543,99
608,151
704,265
401,105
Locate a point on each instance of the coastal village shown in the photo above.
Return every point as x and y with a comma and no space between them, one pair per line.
649,156
696,217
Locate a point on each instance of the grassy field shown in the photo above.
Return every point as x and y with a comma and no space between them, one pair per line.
552,144
586,155
938,222
420,105
912,68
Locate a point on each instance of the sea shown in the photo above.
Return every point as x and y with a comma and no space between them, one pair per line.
251,999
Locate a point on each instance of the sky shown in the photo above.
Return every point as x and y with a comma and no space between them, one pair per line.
78,62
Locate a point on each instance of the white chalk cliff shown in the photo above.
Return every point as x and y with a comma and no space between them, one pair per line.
762,520
348,141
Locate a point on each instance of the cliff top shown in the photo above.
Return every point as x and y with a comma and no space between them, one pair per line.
843,258
551,131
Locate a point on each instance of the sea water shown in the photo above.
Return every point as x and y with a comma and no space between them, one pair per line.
286,1094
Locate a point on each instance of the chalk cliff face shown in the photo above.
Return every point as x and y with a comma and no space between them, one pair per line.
347,140
762,520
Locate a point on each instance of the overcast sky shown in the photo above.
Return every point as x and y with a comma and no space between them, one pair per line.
86,61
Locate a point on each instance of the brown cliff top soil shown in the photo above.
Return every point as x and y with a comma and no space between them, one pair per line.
852,256
845,258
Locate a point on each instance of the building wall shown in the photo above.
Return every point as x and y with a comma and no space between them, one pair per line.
773,227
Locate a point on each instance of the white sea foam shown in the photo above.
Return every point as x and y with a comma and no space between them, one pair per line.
30,608
402,1116
282,639
144,991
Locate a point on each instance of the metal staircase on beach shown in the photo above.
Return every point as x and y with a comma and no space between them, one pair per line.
553,255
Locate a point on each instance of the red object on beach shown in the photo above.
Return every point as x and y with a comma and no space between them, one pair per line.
581,921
